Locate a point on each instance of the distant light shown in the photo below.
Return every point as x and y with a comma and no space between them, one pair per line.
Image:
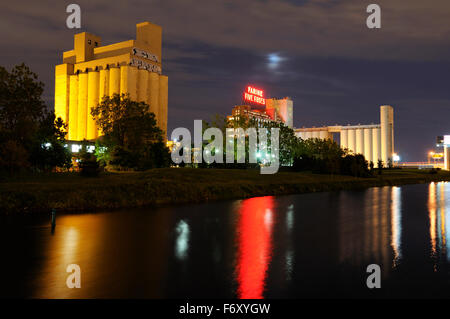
46,145
75,148
90,148
446,139
396,157
258,155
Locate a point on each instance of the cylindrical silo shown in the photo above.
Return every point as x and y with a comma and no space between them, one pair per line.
114,81
368,144
82,105
163,101
344,139
73,108
352,140
154,93
128,81
359,140
308,135
103,91
446,157
376,143
387,132
103,86
93,93
323,134
142,84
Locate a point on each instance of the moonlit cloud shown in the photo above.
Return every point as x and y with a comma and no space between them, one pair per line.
274,60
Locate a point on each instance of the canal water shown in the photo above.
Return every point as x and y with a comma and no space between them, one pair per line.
299,246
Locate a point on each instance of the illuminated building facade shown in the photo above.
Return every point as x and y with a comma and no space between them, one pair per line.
91,71
375,142
256,107
246,112
281,110
446,143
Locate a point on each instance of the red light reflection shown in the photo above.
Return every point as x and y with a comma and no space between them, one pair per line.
254,246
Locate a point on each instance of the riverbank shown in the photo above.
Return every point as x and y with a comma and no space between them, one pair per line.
72,193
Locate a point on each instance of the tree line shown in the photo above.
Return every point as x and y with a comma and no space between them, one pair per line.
323,156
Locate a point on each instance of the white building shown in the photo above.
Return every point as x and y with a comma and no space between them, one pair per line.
375,142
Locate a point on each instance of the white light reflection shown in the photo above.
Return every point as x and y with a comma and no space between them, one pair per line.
182,242
290,217
396,224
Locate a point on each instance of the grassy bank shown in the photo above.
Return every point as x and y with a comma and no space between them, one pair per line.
71,192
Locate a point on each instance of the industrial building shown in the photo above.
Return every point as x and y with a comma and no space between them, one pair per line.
246,111
256,107
91,71
375,142
446,142
281,110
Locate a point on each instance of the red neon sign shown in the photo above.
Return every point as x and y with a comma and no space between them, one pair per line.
254,95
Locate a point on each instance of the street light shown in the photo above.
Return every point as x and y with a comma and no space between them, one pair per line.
430,154
395,158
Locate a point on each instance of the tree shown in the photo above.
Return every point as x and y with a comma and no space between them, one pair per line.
131,138
354,165
21,105
89,165
13,156
390,163
48,149
26,126
380,167
289,144
319,155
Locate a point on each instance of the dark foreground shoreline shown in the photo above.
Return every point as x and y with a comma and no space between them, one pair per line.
69,192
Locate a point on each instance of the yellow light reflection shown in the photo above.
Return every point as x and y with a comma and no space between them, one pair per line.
396,226
442,211
432,216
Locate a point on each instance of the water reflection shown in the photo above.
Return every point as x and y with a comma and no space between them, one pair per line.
289,258
309,245
254,246
396,223
182,242
370,230
432,216
438,214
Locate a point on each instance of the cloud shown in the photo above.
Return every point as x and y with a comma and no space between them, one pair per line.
410,30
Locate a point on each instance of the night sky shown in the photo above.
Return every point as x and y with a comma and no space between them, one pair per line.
318,52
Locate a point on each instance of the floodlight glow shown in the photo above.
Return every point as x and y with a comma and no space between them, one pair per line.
75,148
